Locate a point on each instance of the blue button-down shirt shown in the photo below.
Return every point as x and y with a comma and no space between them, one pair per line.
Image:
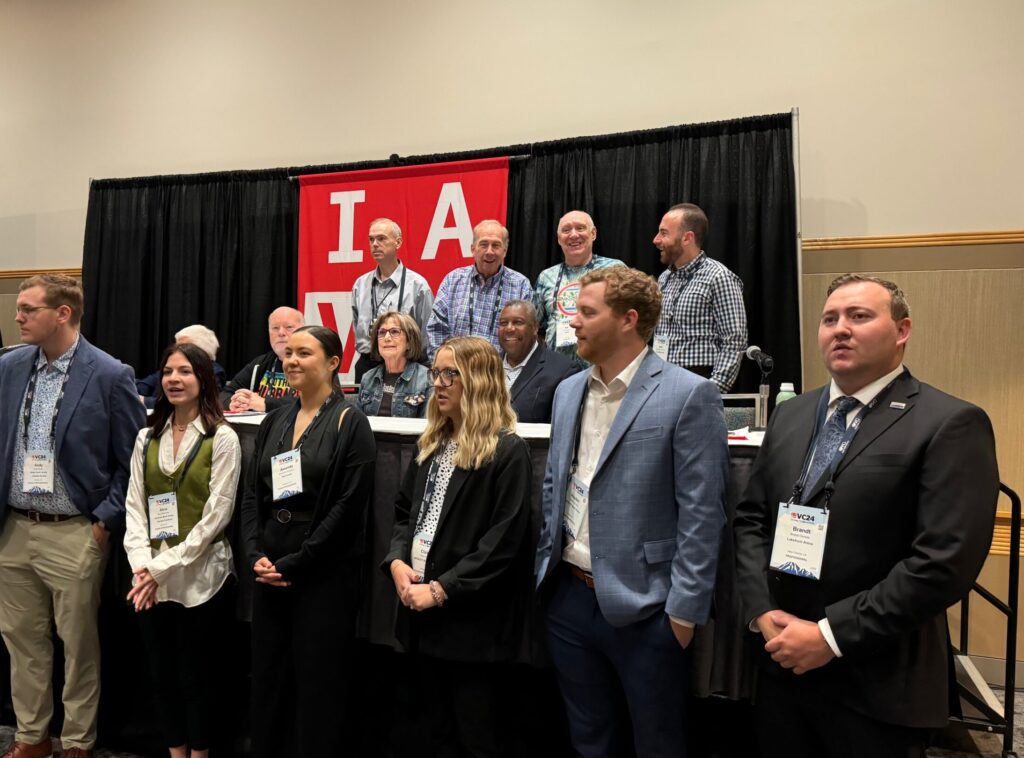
49,380
469,305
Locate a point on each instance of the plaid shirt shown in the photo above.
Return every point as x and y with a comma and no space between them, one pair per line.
702,315
467,304
551,309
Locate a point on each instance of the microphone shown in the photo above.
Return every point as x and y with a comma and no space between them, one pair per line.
764,361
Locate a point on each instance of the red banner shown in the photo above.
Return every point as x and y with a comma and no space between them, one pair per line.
436,206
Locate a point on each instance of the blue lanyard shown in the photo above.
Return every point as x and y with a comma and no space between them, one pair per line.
844,445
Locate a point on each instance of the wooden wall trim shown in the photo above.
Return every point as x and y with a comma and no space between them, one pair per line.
27,272
914,240
1001,535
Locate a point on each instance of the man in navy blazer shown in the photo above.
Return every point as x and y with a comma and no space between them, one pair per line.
69,415
532,372
633,504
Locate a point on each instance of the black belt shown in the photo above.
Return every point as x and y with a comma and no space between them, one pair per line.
285,516
45,518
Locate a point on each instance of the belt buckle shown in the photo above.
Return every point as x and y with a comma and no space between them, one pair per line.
283,516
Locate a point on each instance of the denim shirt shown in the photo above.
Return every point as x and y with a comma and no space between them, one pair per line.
412,390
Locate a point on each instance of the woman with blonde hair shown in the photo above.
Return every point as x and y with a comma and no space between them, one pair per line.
459,556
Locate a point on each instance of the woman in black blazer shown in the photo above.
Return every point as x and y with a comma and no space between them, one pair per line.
458,557
304,518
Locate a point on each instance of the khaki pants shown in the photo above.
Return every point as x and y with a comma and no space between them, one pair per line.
51,571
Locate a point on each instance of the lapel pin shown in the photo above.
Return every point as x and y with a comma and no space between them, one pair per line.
897,406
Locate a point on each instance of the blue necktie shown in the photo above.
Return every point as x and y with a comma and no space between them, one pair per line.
829,439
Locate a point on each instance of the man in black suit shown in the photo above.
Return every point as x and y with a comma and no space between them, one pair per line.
531,370
900,497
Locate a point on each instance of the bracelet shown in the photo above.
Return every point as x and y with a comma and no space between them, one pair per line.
437,593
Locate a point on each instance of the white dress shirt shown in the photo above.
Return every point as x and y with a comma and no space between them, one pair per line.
599,409
865,395
194,570
512,372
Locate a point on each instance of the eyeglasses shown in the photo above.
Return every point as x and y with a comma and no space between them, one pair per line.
28,310
392,333
446,375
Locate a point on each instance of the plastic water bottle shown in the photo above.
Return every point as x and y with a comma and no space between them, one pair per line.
786,392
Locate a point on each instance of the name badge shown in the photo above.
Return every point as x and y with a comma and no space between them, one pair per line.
421,543
286,474
577,497
163,516
37,475
661,346
799,540
565,335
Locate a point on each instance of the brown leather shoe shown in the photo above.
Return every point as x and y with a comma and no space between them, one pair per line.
77,752
22,750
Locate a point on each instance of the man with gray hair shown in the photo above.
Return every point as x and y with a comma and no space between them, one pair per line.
532,372
389,287
200,336
558,287
262,386
470,298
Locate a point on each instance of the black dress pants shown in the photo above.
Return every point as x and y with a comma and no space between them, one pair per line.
186,651
302,665
793,720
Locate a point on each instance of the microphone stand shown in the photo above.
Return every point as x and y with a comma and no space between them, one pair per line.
766,364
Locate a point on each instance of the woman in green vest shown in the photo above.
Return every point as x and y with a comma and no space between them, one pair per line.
180,499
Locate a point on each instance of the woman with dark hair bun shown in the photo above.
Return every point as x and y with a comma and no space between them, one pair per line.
184,475
304,519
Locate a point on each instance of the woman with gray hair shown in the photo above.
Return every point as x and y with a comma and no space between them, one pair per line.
196,334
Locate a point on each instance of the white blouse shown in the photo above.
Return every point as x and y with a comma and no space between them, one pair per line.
193,571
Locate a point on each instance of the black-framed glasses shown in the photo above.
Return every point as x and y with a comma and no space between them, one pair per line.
446,375
393,333
28,310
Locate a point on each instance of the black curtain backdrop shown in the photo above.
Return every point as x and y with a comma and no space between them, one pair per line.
221,249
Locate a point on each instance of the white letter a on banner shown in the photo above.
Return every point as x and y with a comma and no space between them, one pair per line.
346,202
451,197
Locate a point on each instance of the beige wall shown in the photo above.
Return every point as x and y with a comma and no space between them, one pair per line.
910,111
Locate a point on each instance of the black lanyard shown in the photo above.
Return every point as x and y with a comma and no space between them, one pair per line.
579,428
175,481
30,395
844,445
687,278
473,287
268,375
373,288
295,416
430,486
563,271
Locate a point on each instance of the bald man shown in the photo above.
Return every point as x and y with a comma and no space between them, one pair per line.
559,286
261,385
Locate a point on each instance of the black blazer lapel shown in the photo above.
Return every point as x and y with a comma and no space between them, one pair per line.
878,421
459,476
531,369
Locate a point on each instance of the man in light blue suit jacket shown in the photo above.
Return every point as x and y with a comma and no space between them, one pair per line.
633,513
69,415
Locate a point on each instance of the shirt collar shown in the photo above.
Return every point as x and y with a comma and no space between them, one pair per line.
624,377
475,274
196,423
867,393
395,277
690,268
524,361
62,363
